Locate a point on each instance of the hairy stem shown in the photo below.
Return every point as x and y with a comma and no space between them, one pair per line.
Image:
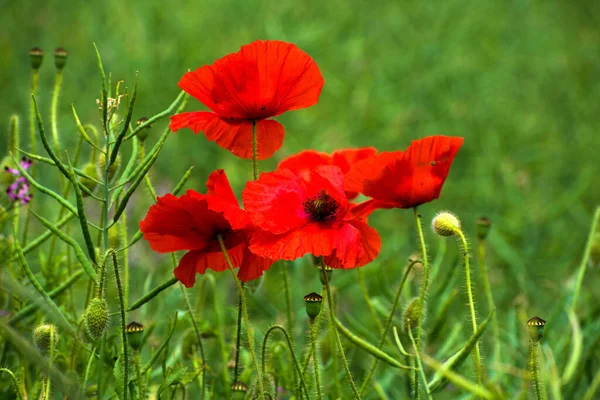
490,299
422,293
315,356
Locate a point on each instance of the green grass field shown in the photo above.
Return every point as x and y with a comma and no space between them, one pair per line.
519,80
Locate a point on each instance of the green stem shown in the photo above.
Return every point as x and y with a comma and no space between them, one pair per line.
490,299
419,365
365,293
54,110
290,348
535,370
123,322
586,256
477,354
315,356
15,382
245,318
254,151
388,323
238,339
50,355
422,293
337,335
288,308
138,372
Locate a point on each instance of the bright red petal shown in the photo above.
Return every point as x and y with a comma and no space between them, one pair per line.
253,266
356,254
196,121
346,158
274,201
302,163
200,84
312,238
370,170
330,179
269,136
186,270
221,199
218,185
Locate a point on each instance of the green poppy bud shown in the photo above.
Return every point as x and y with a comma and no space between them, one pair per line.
239,387
37,56
535,328
328,271
445,224
96,318
135,334
143,134
313,303
60,58
411,314
483,227
42,335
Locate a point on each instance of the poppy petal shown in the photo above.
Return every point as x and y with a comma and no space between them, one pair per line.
195,120
186,270
349,253
200,84
218,186
311,238
253,266
274,201
346,158
220,198
302,163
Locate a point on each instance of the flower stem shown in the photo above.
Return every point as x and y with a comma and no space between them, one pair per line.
535,369
477,354
238,338
254,151
490,299
123,322
54,110
388,323
337,335
422,293
245,318
14,381
315,356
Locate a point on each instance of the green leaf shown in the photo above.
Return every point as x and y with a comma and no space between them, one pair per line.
173,378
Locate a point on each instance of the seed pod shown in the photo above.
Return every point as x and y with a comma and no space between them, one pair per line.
483,227
37,56
411,314
313,303
60,58
96,318
135,334
535,328
445,224
42,334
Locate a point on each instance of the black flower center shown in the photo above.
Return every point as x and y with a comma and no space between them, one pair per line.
321,207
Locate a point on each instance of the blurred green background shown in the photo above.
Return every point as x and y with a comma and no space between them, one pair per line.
519,80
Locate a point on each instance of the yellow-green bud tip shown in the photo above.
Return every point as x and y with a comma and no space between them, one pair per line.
37,56
483,227
42,334
445,224
60,58
313,303
535,328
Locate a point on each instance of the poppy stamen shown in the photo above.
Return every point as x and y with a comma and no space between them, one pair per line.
321,207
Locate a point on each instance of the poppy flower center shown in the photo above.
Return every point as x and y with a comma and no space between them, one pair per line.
321,207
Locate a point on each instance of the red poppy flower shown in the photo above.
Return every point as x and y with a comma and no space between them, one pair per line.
193,222
305,161
404,179
264,79
297,216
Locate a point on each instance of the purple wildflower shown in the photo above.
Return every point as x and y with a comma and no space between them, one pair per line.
19,190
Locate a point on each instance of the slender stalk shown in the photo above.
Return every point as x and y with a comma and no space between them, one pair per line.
535,369
388,323
15,382
138,372
365,293
198,336
238,339
337,335
54,110
419,365
585,258
245,318
477,354
123,322
288,308
490,299
315,356
422,293
50,355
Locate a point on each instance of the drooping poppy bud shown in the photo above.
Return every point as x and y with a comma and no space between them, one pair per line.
313,303
411,314
483,227
96,318
535,328
37,56
60,58
44,335
135,334
445,224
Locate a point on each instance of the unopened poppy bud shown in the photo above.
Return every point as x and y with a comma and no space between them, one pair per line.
328,271
483,227
37,56
112,170
313,303
412,314
96,318
135,334
44,335
445,224
90,170
535,328
143,134
60,58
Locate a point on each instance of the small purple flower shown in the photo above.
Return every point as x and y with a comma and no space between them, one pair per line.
19,190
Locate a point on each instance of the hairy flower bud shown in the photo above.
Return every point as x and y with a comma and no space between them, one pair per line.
535,328
411,314
37,56
483,227
60,58
96,318
313,303
445,224
135,334
42,337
